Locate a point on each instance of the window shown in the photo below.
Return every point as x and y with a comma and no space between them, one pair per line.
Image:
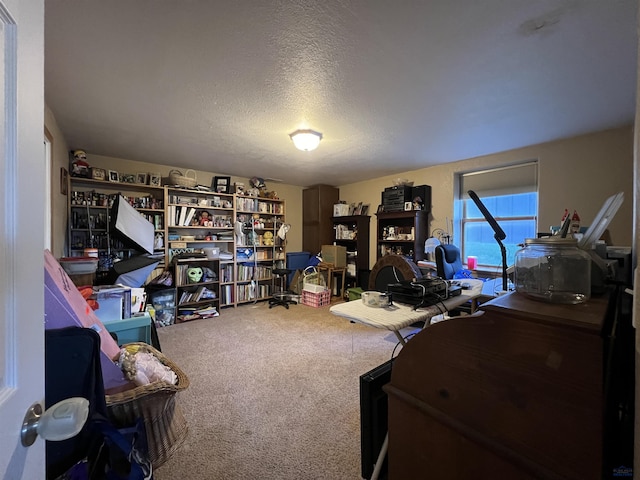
510,194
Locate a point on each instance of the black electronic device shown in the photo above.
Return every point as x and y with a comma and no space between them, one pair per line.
422,196
394,198
422,292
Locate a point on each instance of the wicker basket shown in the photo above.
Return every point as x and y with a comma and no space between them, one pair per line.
156,404
187,180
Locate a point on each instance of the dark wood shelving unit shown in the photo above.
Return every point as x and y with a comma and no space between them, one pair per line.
357,227
410,231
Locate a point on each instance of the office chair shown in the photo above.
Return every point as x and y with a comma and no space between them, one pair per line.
281,296
448,261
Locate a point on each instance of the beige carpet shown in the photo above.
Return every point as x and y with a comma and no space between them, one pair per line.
274,393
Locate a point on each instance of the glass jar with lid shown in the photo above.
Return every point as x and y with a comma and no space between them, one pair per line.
553,269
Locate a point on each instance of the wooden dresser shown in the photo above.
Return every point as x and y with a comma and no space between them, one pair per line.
516,391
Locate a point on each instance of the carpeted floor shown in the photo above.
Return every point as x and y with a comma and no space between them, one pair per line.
274,393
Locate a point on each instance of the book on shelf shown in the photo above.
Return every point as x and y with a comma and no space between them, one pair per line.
190,214
183,215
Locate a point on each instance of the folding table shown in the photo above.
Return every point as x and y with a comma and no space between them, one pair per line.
398,316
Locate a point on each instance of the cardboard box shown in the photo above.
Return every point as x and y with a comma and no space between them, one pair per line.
340,210
335,254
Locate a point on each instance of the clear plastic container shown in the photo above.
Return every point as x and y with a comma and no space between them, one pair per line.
554,270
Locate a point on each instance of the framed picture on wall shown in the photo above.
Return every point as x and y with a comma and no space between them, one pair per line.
221,184
113,176
64,181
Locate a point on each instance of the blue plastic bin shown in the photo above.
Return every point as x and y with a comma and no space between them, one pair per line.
296,261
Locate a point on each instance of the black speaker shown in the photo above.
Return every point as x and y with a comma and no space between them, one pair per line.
424,193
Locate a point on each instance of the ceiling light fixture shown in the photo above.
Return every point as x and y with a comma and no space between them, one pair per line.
306,140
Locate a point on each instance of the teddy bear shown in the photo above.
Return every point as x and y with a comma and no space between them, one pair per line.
267,239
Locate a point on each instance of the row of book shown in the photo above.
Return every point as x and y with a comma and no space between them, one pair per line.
226,273
199,294
226,295
249,204
253,291
215,201
251,272
155,219
184,216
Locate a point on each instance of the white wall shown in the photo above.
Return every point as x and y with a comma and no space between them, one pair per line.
60,159
577,173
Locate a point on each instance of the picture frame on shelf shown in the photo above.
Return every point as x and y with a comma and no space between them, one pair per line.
113,176
141,178
155,179
127,178
221,184
98,174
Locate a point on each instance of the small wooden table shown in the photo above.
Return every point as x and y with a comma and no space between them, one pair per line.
331,271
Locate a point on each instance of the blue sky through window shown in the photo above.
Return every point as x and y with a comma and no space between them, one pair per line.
516,214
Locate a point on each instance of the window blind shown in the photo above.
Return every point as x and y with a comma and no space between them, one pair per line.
522,178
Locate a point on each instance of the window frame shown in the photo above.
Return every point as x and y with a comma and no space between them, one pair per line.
461,199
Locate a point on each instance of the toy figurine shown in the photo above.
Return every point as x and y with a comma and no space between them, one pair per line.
79,166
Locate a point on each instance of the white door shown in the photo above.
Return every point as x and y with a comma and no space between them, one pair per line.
21,232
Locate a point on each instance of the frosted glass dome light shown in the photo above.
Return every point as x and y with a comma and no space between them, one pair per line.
306,140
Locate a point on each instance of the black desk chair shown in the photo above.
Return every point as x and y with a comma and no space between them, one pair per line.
281,296
448,261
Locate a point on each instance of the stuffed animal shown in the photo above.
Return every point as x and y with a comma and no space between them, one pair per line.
79,166
267,239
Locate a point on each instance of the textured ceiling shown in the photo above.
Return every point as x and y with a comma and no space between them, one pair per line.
392,85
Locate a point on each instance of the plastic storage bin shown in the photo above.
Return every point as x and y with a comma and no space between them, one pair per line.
312,299
296,261
554,270
114,302
163,300
134,329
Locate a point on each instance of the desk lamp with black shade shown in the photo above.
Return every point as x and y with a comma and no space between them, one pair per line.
499,234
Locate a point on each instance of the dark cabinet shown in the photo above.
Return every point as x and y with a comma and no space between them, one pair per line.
317,210
403,233
352,232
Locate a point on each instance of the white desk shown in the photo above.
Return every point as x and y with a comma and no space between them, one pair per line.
398,316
